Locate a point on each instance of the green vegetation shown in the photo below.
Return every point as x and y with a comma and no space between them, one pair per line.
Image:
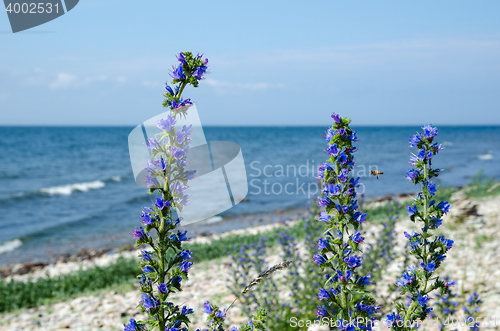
481,187
16,294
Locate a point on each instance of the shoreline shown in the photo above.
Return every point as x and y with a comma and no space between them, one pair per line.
199,232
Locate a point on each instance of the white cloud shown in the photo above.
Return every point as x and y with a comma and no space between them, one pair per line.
223,87
152,84
63,81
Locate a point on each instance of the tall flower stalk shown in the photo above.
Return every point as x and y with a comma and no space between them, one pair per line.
343,295
165,264
427,248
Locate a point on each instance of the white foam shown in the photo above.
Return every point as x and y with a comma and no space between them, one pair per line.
487,156
69,189
10,245
214,219
116,178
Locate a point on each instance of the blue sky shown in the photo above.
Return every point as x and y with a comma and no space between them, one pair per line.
272,63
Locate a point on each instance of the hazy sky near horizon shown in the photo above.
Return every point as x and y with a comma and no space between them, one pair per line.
271,62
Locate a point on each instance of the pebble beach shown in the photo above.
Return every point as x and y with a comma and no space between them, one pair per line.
474,225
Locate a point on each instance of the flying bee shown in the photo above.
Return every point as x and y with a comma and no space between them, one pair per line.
376,173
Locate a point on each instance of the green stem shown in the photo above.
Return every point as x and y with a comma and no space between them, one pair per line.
414,304
410,310
343,294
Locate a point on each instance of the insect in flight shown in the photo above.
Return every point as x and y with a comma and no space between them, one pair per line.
376,173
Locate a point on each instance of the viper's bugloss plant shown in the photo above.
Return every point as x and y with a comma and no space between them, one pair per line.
445,307
165,264
472,311
291,296
427,248
343,296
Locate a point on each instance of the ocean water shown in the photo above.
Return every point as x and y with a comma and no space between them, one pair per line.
64,188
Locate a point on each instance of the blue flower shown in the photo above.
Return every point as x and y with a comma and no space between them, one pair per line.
200,71
319,259
160,203
353,261
186,254
147,301
146,218
139,233
342,158
430,267
430,132
148,269
322,243
322,312
168,89
393,319
152,143
163,288
220,313
322,202
436,222
332,189
150,181
422,301
182,235
411,210
414,140
185,265
348,275
208,307
431,187
343,175
412,174
132,325
357,238
166,124
323,294
177,152
363,281
329,134
332,150
360,217
322,168
181,59
178,73
447,242
450,283
324,217
353,137
406,279
146,256
186,311
444,206
336,118
181,103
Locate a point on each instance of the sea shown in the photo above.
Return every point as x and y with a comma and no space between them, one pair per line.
67,188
